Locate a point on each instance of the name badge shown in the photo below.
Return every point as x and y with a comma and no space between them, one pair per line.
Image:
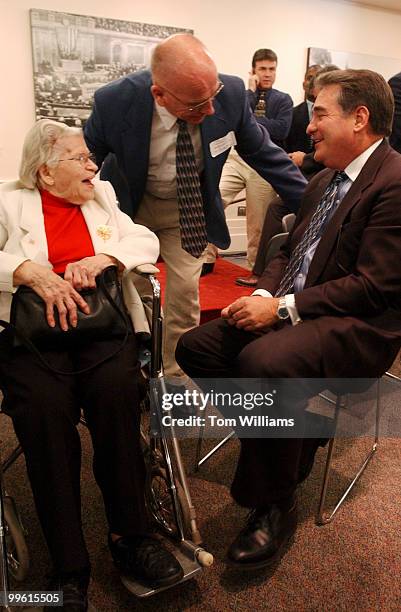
222,144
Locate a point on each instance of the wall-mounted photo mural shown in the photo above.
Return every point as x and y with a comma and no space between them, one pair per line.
73,55
386,66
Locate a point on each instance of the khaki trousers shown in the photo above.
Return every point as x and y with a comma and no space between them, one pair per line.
236,176
181,301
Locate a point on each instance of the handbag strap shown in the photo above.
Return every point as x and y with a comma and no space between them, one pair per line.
33,349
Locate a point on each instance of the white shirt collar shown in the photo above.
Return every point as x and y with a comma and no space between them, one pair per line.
354,168
168,120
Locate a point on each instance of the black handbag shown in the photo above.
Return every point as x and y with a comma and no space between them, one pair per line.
108,319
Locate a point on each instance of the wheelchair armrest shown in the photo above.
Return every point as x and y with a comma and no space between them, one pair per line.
146,269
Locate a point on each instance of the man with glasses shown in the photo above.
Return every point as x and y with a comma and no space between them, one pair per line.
170,131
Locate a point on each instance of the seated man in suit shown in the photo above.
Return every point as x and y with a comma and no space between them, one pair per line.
327,306
298,139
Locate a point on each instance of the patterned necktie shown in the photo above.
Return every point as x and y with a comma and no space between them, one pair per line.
260,108
311,233
189,196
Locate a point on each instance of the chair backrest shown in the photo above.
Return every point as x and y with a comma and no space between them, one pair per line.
288,222
274,245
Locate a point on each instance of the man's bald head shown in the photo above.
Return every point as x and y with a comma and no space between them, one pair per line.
181,56
184,75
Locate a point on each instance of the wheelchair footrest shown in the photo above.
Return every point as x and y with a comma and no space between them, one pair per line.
190,566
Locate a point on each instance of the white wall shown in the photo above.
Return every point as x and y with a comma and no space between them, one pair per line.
232,29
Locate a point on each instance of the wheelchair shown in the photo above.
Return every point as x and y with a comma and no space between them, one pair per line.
167,494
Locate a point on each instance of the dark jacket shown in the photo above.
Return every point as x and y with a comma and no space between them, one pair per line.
354,280
121,123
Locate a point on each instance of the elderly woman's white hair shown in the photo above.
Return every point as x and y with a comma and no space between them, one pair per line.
39,149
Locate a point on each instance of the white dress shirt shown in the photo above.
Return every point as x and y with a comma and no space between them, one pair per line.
161,181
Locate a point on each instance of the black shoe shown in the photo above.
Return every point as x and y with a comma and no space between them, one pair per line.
265,535
144,558
247,281
74,587
207,268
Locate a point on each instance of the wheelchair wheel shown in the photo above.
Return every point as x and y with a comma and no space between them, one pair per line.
159,502
17,550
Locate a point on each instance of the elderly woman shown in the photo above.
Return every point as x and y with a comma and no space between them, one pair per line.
59,229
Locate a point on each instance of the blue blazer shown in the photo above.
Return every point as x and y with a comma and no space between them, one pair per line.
121,123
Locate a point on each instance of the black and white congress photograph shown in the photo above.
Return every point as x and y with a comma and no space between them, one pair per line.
73,55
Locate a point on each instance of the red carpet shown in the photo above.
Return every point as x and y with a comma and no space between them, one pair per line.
217,290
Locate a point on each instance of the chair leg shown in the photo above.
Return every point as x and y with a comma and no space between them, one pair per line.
4,577
214,450
322,517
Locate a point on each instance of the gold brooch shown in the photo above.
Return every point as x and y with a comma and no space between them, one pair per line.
104,231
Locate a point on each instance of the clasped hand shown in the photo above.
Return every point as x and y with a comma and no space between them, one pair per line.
62,294
252,313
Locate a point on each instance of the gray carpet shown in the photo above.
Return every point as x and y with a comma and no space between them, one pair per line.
352,564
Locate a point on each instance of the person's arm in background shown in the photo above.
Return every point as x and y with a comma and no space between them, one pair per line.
306,163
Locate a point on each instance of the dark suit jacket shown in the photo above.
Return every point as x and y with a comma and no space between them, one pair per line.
297,139
395,138
121,122
355,275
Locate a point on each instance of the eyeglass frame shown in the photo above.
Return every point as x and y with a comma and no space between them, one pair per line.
191,109
82,159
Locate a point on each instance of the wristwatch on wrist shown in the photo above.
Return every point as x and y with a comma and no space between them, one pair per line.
282,310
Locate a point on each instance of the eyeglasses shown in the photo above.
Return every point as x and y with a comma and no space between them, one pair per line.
195,107
82,159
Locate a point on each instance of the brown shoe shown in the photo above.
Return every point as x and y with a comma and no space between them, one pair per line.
247,281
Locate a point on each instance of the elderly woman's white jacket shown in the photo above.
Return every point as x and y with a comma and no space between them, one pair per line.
23,236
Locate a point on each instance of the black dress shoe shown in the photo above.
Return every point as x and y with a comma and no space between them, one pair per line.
247,281
207,268
264,537
144,558
74,587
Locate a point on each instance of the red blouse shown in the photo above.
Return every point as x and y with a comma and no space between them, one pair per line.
67,234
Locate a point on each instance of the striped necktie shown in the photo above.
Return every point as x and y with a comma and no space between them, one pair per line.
311,233
189,196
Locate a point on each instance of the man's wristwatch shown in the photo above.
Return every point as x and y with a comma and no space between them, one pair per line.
282,310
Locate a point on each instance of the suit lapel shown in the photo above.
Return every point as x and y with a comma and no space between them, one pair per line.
351,199
212,128
34,243
305,117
